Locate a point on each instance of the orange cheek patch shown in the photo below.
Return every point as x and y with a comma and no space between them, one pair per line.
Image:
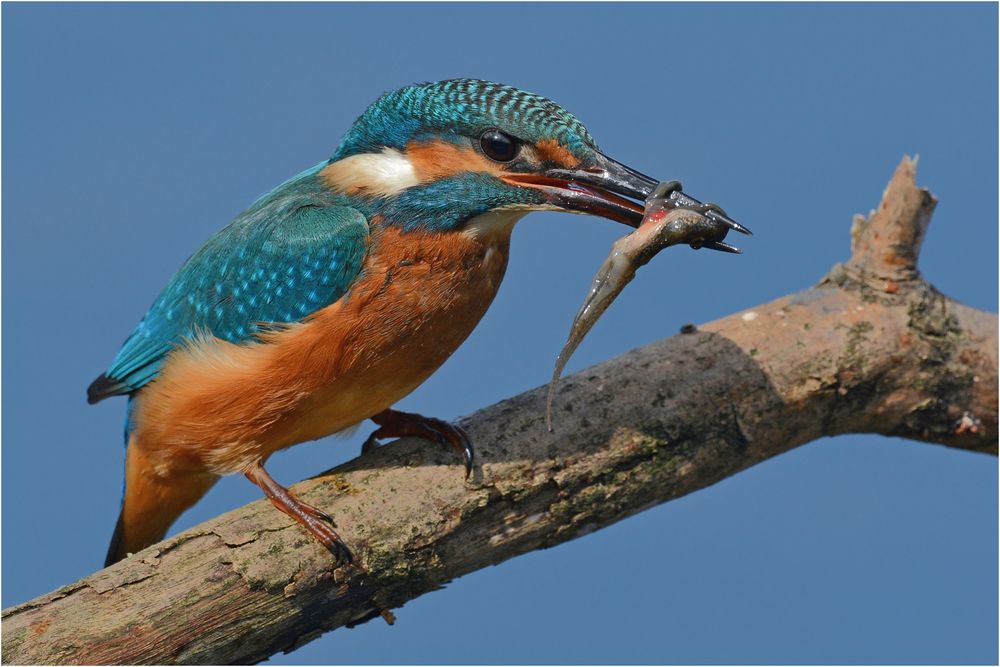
550,150
433,160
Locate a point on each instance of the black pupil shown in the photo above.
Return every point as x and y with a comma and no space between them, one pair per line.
498,146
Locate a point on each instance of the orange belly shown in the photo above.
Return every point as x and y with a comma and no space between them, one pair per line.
220,407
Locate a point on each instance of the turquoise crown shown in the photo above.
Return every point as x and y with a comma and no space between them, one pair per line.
462,107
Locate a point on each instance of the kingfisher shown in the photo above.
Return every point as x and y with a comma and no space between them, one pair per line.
340,291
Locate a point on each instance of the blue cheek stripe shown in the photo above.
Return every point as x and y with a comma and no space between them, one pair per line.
447,204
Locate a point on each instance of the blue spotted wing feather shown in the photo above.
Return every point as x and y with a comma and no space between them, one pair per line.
277,263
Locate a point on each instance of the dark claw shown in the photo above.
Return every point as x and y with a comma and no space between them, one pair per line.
341,551
369,444
329,539
323,516
718,245
462,442
314,512
467,452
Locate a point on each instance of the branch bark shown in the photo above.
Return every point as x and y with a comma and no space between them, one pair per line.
872,348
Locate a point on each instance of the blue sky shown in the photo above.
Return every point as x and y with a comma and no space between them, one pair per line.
133,132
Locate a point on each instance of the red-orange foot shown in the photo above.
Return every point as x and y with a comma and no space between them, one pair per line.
396,424
319,524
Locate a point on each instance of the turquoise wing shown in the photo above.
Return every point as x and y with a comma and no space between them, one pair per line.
276,263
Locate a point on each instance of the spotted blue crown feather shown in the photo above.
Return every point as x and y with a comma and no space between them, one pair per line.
460,106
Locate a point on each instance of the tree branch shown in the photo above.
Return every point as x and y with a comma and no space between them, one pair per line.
872,348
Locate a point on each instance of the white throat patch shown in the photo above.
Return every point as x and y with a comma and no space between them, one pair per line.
500,221
383,174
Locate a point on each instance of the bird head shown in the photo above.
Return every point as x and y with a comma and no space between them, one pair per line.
438,155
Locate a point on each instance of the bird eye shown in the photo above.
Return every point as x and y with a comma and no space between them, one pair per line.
498,146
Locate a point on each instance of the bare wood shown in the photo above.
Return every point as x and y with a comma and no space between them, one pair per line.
872,348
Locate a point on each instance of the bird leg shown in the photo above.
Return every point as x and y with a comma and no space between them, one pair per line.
319,524
396,424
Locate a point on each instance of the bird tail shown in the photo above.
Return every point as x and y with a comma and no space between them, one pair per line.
152,502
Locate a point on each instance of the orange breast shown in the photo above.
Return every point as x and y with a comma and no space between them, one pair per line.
220,407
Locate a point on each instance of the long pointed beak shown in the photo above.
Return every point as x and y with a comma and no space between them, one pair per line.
607,188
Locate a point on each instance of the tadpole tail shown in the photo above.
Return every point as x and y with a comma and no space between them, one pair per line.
657,231
611,278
